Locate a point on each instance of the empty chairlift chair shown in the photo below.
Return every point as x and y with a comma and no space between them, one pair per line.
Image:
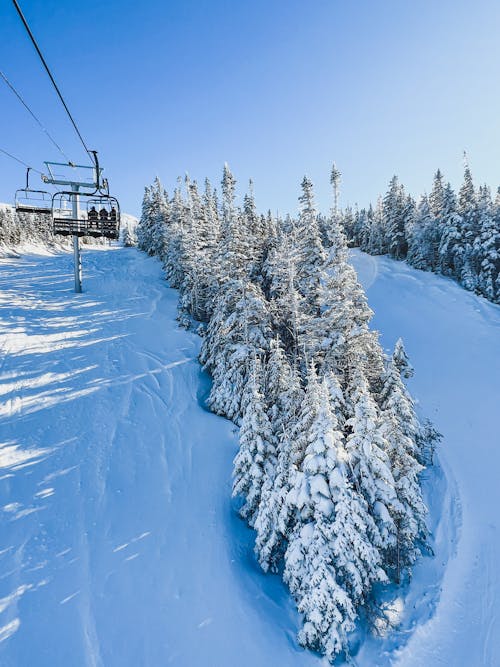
28,200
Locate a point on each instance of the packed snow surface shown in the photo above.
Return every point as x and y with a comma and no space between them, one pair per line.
453,340
119,544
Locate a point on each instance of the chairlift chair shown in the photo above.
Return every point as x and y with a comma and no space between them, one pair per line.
98,215
28,200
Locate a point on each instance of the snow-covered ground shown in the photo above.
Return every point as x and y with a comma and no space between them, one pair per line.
453,339
118,541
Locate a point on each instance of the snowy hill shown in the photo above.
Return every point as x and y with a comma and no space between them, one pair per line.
119,544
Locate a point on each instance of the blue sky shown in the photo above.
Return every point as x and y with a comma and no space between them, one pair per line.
276,89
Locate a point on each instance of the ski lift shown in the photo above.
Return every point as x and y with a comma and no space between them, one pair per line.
27,200
98,214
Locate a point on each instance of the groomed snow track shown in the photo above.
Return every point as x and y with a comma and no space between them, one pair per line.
452,612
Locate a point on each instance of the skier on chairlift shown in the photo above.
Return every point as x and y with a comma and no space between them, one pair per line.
93,217
103,217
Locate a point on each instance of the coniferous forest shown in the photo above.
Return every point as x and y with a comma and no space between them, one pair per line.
456,236
331,449
17,228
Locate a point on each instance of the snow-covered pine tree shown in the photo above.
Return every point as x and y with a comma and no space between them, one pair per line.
347,218
367,449
487,247
376,240
401,360
143,228
394,241
128,239
450,249
341,338
256,459
436,197
211,213
421,244
239,331
330,563
468,209
158,215
257,228
403,434
284,397
287,304
309,251
177,247
234,250
199,284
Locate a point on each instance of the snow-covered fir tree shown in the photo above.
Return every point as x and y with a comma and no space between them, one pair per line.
256,459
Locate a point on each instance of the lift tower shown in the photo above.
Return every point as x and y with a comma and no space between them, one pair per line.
98,217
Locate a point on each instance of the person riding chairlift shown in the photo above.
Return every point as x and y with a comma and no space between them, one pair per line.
93,217
103,216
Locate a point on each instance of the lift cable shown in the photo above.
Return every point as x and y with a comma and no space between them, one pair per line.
25,105
28,29
2,150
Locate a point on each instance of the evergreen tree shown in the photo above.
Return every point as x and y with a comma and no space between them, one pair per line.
238,331
450,249
330,563
367,449
401,360
436,198
308,247
393,220
284,397
403,434
421,245
256,457
487,247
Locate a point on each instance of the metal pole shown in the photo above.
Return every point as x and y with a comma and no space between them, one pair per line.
76,244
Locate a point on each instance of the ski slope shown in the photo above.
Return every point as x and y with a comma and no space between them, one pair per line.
453,339
119,545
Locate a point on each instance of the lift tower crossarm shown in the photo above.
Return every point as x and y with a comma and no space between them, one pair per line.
54,179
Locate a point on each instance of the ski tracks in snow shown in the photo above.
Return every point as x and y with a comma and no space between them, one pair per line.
118,542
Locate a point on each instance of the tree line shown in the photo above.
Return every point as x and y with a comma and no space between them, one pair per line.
456,236
331,450
18,228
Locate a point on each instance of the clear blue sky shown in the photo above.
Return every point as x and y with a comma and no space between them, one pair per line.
276,89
